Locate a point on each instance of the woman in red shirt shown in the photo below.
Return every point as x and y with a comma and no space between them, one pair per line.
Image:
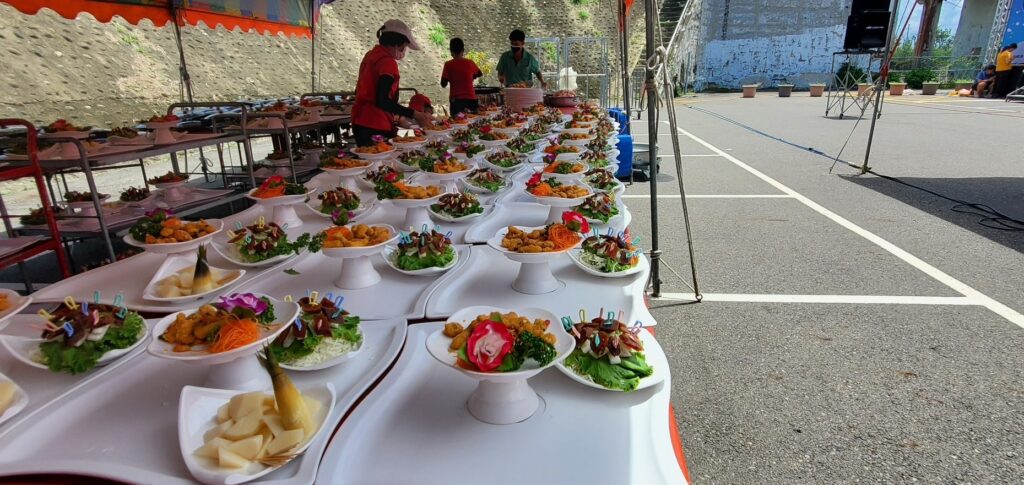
376,104
460,73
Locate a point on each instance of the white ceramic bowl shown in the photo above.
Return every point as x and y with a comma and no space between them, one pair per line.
356,252
172,266
15,302
26,348
390,257
284,313
495,242
657,364
437,343
181,247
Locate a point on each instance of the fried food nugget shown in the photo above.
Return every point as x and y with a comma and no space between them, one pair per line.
451,329
459,340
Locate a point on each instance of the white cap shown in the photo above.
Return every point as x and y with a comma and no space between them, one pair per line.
399,27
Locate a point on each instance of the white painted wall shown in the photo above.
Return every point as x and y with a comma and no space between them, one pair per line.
728,63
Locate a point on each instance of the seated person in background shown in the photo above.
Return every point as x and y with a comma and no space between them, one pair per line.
984,81
419,102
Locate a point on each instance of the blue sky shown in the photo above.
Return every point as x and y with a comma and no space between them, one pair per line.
949,16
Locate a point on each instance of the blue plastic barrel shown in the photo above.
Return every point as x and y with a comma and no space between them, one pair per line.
625,147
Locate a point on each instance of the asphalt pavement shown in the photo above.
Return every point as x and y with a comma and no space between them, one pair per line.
855,328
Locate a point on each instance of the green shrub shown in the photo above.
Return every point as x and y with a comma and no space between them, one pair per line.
550,52
584,15
438,35
848,76
894,77
581,3
917,77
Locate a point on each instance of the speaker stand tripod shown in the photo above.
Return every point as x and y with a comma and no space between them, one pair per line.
842,90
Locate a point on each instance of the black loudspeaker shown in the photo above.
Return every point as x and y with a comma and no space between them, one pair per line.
868,25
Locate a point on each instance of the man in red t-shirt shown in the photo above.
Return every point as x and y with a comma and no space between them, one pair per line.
377,87
460,73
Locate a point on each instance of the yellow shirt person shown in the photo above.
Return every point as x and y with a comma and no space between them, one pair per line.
1004,60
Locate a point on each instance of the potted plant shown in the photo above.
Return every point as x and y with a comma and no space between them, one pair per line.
817,89
896,86
917,78
862,88
785,90
929,87
963,84
749,90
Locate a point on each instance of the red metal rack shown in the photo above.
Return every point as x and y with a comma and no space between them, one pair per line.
53,242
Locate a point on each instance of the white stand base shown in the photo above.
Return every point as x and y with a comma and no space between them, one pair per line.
285,214
535,279
357,273
68,150
503,402
173,194
416,218
163,136
450,186
349,182
555,214
242,374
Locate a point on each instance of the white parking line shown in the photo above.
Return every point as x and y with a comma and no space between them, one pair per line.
960,287
849,299
710,196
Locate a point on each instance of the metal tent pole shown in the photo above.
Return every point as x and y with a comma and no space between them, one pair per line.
313,6
651,19
624,51
182,66
879,87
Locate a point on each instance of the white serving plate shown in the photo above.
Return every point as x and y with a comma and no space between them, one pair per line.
495,243
561,201
197,413
501,169
376,156
87,203
230,252
395,296
355,252
364,207
346,172
97,447
20,400
480,190
455,220
492,144
389,258
25,348
333,361
437,343
17,303
462,157
281,199
653,354
577,143
391,436
181,247
284,313
485,277
175,264
407,203
395,217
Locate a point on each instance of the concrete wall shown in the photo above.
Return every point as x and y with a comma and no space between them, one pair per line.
975,26
111,74
769,40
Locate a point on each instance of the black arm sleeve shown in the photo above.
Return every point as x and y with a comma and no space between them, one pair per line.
384,100
444,82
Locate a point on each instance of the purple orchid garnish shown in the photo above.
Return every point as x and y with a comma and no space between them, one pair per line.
245,301
377,138
550,157
158,211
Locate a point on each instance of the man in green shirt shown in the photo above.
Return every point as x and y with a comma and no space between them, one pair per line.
518,66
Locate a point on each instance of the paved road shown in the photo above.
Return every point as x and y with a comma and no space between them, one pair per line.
854,329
